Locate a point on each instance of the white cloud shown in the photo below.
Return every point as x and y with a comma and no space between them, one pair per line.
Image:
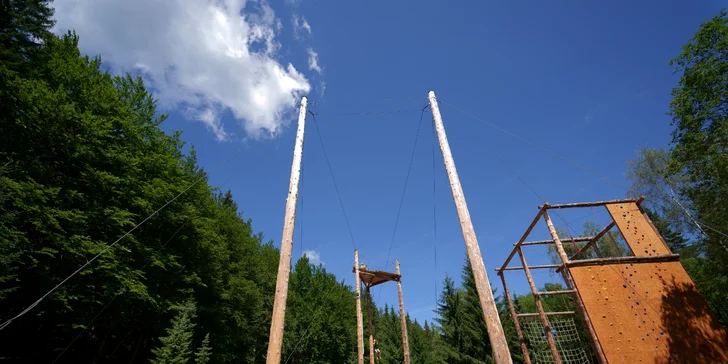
300,25
313,61
313,257
206,56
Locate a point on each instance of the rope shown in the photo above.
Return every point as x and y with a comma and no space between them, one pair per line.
203,177
331,172
404,192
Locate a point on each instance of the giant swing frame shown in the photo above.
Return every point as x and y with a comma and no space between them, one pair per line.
485,293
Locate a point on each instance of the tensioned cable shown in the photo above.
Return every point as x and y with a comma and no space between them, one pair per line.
331,172
204,176
404,192
119,292
697,222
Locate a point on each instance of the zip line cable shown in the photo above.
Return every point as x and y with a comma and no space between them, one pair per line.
22,313
117,295
331,172
404,192
142,268
697,222
378,112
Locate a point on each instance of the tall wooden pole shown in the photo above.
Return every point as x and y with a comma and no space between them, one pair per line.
275,342
487,303
359,320
601,358
371,333
402,317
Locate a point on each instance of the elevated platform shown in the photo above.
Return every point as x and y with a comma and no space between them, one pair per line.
376,277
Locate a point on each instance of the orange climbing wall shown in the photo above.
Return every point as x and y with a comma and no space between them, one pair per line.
648,312
637,231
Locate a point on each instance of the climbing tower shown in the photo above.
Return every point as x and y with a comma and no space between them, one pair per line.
637,307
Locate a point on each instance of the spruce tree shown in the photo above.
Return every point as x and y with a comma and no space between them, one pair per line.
202,356
176,347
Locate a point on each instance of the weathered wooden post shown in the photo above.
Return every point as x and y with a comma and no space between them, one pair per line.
275,342
402,317
487,303
359,320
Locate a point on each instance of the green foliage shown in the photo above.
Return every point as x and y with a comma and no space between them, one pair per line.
176,346
24,24
321,317
202,356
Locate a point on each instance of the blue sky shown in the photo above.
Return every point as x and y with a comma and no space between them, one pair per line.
590,82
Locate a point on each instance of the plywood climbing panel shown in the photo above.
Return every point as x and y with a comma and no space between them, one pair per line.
639,234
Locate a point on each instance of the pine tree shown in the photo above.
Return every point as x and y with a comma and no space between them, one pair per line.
23,26
202,356
176,347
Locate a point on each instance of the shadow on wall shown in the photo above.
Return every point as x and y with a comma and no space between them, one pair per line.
695,336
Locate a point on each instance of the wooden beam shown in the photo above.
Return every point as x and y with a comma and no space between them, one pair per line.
402,317
546,242
577,299
620,260
564,313
539,307
544,266
552,293
275,341
525,235
371,333
497,337
359,320
590,204
516,323
593,240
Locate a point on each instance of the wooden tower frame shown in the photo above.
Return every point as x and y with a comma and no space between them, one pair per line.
370,279
638,308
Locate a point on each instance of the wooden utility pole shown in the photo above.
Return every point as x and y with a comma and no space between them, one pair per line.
402,317
359,320
487,303
371,333
275,342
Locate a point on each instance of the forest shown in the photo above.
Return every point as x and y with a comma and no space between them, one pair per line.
83,160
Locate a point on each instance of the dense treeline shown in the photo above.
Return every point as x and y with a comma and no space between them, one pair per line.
687,185
83,160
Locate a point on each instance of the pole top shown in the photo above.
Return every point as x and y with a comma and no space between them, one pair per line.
431,94
303,100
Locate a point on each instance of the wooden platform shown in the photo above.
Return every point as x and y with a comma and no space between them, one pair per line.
373,278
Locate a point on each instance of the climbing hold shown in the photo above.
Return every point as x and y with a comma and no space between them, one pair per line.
624,285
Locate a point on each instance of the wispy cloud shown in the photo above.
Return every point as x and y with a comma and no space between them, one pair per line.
313,61
301,27
208,56
313,257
